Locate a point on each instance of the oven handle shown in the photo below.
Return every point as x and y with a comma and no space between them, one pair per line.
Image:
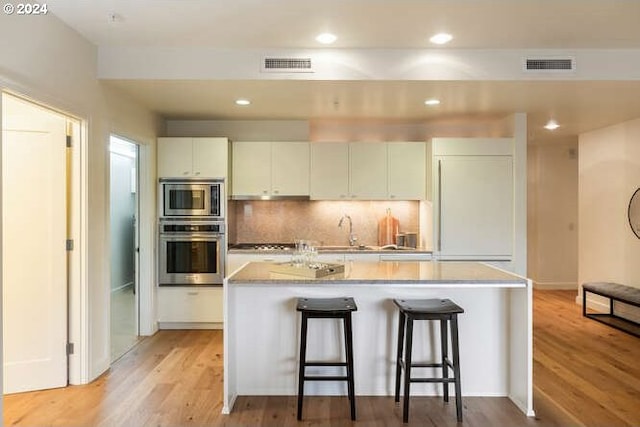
190,236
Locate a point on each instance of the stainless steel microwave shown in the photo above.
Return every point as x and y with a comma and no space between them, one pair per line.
192,198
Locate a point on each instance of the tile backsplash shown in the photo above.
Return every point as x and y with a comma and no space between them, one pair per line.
287,220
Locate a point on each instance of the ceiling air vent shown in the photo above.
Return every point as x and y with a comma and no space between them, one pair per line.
287,65
549,64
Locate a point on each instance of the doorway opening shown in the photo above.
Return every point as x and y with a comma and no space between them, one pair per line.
124,245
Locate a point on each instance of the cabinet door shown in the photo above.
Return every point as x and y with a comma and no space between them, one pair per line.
175,157
329,177
290,168
407,170
189,304
475,210
210,157
368,171
251,168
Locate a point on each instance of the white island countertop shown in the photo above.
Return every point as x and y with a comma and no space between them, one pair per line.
403,272
262,328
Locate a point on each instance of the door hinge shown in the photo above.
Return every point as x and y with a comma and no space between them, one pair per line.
69,348
68,141
69,244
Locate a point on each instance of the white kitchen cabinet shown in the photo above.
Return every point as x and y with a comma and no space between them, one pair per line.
266,169
329,177
368,171
190,307
290,168
180,157
407,170
474,200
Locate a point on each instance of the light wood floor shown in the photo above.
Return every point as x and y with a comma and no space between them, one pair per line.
585,374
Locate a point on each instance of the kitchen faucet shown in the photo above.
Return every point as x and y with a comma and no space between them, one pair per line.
352,237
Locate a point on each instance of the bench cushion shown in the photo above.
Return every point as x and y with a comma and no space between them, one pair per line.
614,290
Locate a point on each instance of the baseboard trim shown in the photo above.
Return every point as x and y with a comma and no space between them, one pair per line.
560,286
190,325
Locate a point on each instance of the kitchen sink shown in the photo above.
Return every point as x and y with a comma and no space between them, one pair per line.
345,248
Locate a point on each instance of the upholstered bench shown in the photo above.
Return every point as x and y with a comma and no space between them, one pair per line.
615,292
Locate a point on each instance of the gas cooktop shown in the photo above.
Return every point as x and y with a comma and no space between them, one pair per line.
263,246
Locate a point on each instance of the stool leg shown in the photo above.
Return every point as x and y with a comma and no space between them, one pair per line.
401,321
444,349
303,361
456,365
350,376
407,369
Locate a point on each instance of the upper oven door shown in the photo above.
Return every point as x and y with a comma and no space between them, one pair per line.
189,200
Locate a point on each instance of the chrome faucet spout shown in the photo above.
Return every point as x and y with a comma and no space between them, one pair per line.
352,237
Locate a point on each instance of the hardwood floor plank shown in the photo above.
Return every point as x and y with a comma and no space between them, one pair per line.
585,374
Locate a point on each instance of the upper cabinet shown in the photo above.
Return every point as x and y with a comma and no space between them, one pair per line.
329,177
270,169
193,157
368,171
407,170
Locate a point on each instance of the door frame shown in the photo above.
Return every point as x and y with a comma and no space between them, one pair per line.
136,275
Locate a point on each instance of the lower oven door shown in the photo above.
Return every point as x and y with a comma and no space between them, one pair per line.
191,260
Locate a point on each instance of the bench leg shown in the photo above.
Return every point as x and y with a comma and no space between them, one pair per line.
584,302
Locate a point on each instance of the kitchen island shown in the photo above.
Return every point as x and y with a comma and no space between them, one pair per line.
261,328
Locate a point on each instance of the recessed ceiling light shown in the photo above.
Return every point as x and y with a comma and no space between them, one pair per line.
551,125
432,101
441,38
243,102
326,38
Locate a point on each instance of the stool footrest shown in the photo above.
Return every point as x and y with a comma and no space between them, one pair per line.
432,380
325,364
427,365
325,378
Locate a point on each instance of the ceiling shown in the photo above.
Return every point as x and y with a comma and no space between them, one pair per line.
579,106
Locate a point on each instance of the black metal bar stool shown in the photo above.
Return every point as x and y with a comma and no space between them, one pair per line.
445,311
327,308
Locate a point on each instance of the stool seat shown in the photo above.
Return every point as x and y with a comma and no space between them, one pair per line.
327,308
428,306
326,305
442,310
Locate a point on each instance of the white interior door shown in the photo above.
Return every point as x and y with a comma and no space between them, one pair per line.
34,262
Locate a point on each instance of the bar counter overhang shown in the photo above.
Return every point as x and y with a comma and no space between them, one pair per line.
261,328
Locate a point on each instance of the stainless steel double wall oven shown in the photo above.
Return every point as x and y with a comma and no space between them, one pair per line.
192,232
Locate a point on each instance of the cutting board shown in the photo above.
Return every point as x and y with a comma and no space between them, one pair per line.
388,227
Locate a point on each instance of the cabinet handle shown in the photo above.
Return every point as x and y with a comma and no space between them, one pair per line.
353,196
197,173
265,192
192,293
343,196
393,196
185,173
276,191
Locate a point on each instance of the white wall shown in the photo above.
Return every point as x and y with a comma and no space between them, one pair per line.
45,60
553,214
609,169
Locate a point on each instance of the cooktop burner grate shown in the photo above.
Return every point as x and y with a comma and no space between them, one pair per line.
264,246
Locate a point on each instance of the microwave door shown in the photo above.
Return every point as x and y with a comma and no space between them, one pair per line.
186,200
